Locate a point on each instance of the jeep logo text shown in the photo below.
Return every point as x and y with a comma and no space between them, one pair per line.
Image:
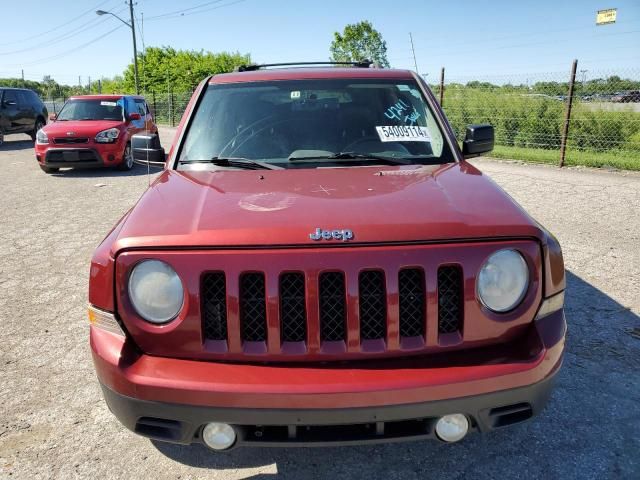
345,235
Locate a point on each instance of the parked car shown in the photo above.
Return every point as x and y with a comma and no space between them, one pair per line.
21,111
626,97
319,264
93,131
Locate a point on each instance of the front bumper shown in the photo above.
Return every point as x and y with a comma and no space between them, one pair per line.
171,399
85,156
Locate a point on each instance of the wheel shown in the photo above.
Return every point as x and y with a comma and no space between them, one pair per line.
46,169
39,124
1,137
127,159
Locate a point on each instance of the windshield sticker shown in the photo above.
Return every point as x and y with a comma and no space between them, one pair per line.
295,94
403,88
108,104
396,111
403,133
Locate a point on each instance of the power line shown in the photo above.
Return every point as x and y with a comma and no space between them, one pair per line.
182,14
73,50
55,40
91,10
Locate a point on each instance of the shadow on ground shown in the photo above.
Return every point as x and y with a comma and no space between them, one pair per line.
588,430
14,143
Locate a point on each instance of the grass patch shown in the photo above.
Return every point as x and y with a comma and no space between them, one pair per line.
622,159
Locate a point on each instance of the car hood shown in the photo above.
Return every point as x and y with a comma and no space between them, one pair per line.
282,207
79,128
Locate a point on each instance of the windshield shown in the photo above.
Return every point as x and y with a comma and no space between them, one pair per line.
307,123
94,109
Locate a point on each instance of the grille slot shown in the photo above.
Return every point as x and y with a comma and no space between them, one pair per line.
293,315
449,299
412,302
373,305
253,313
214,306
70,140
332,306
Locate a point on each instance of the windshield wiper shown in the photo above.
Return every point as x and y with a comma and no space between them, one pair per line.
235,162
351,156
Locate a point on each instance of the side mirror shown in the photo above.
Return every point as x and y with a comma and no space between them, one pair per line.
134,116
146,148
478,140
53,117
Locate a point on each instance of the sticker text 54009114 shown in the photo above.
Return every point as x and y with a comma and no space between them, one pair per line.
403,133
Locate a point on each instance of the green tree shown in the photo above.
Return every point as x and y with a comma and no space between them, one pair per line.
359,41
180,70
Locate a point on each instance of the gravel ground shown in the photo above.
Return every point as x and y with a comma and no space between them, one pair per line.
54,424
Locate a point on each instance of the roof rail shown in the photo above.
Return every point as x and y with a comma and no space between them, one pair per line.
254,67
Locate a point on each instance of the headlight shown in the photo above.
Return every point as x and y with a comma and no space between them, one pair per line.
41,137
108,136
503,281
155,291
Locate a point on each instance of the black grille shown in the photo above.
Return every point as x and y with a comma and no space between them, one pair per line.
253,314
68,140
73,156
373,311
412,302
449,299
293,315
332,306
214,306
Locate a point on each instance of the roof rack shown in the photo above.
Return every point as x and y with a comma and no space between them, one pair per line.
254,67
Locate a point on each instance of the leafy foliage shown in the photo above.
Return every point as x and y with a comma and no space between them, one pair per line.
162,69
358,42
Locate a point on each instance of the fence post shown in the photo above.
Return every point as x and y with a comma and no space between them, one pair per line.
171,103
441,86
567,116
155,108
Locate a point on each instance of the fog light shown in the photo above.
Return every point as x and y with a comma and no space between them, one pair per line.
218,436
452,428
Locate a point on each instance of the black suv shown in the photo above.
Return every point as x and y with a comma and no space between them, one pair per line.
21,111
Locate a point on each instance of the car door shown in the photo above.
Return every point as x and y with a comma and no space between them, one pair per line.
12,116
143,110
27,111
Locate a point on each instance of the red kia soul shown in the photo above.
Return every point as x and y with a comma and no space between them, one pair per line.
93,131
319,264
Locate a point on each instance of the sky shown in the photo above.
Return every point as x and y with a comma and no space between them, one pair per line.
471,39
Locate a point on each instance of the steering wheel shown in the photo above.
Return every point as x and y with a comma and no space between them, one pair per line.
254,133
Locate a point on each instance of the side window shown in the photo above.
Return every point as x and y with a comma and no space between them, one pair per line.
141,107
23,100
10,96
35,99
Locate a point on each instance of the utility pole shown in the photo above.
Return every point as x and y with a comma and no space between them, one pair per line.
89,83
23,77
414,53
131,24
79,82
135,48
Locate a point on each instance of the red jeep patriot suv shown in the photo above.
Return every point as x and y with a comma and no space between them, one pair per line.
93,131
318,264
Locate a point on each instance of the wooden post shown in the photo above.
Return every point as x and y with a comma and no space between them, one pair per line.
567,115
441,86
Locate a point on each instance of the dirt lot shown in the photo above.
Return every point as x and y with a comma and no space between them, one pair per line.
54,424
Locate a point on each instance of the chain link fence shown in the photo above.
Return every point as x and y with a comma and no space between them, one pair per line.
528,112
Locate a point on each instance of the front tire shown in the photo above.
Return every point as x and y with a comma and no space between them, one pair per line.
39,124
1,137
127,159
46,169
